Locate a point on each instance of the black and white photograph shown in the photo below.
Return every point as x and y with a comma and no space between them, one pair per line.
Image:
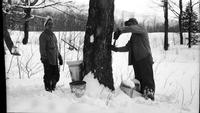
101,56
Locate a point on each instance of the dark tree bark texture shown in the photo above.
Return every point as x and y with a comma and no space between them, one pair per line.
166,25
97,55
26,26
27,16
180,21
6,34
190,24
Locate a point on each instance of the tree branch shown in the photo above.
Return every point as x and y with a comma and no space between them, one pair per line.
35,7
70,44
174,3
159,4
68,14
195,4
173,10
69,5
41,3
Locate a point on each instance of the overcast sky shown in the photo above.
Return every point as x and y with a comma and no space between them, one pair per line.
140,8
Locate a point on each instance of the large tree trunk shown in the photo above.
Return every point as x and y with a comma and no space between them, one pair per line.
166,25
180,21
97,55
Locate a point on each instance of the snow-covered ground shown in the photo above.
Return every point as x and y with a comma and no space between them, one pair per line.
176,74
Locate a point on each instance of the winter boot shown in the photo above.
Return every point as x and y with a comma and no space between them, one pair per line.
53,85
148,93
47,86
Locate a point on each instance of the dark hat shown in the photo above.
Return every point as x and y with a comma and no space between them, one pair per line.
131,21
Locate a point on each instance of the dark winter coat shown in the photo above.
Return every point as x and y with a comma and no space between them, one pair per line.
48,47
138,45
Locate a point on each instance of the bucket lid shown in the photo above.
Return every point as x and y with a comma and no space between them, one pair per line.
73,63
77,83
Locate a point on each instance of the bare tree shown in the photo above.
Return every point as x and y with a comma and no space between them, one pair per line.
199,10
27,6
27,16
164,5
97,55
166,24
190,22
179,15
180,21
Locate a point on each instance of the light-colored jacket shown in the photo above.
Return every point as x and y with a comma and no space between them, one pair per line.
138,45
48,47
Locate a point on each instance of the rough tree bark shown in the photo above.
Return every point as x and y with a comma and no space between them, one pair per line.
166,25
27,16
26,23
190,24
26,26
97,55
180,21
6,34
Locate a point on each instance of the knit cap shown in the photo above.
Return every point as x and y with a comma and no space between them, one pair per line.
47,20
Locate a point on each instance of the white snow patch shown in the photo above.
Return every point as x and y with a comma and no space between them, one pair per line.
176,74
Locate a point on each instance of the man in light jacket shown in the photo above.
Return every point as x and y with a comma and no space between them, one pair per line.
49,56
140,55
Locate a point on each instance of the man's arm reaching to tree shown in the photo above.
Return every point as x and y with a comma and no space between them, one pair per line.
133,29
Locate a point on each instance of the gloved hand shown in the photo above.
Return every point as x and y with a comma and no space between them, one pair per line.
117,33
60,59
113,48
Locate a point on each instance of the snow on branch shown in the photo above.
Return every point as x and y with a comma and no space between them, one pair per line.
43,5
36,7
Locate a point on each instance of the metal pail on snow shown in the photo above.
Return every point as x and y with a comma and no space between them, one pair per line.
78,88
75,70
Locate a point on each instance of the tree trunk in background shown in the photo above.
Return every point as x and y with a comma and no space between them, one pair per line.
190,22
199,10
166,25
26,29
180,21
26,26
6,34
27,16
97,55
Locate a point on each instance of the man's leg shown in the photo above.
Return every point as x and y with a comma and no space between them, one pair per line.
148,84
137,76
55,76
46,78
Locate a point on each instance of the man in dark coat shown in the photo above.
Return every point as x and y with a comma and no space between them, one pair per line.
140,55
50,56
